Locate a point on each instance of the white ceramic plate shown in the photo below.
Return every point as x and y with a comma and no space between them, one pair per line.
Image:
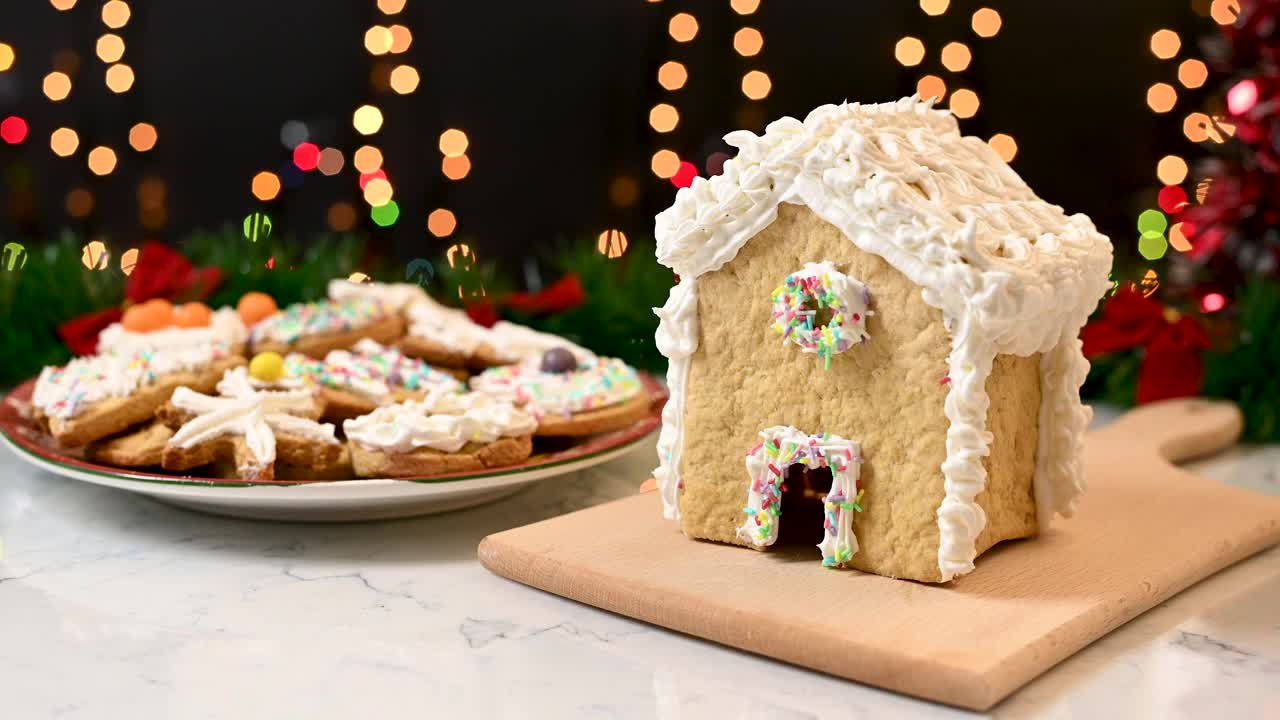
348,500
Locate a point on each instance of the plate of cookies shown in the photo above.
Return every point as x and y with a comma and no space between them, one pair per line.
376,402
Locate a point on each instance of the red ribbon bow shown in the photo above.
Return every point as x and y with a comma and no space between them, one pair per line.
159,273
559,296
1171,365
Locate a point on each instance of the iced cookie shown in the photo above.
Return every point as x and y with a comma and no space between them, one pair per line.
511,343
447,337
569,398
396,296
138,447
442,433
319,328
95,396
355,382
254,428
151,327
442,335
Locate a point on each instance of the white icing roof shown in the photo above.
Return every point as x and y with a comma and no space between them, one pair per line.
901,181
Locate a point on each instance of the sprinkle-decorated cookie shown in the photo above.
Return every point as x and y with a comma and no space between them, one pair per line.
370,374
372,370
95,396
64,392
315,318
589,398
318,328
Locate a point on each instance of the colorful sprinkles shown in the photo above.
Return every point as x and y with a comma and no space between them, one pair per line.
767,461
325,316
373,371
815,288
65,391
593,385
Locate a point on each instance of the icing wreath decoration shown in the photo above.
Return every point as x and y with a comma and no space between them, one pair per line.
822,310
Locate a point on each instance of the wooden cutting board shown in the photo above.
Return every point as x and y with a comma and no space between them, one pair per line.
1144,531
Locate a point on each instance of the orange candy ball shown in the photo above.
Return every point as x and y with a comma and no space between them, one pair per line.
191,315
150,316
255,306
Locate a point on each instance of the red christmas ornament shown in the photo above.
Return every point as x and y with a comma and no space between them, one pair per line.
1171,343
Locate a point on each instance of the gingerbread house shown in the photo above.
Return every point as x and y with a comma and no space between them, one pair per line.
878,319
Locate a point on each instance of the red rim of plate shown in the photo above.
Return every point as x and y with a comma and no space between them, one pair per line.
23,437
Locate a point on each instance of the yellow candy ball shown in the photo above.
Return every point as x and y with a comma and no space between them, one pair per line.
267,367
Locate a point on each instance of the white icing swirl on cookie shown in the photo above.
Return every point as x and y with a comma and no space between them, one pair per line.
224,326
441,421
1011,273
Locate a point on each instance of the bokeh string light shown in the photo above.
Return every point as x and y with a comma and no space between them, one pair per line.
382,38
756,83
441,223
13,130
954,58
102,160
64,141
143,137
1172,170
56,86
612,243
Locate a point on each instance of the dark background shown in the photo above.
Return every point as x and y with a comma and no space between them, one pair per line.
554,97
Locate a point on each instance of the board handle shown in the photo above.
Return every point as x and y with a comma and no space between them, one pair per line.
1178,429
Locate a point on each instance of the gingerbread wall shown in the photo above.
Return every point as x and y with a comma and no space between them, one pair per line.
886,393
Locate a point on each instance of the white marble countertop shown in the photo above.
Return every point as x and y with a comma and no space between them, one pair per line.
115,606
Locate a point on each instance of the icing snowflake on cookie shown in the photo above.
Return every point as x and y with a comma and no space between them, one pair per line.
244,410
592,385
326,316
808,294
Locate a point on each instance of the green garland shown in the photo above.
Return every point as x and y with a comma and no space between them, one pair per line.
1248,372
